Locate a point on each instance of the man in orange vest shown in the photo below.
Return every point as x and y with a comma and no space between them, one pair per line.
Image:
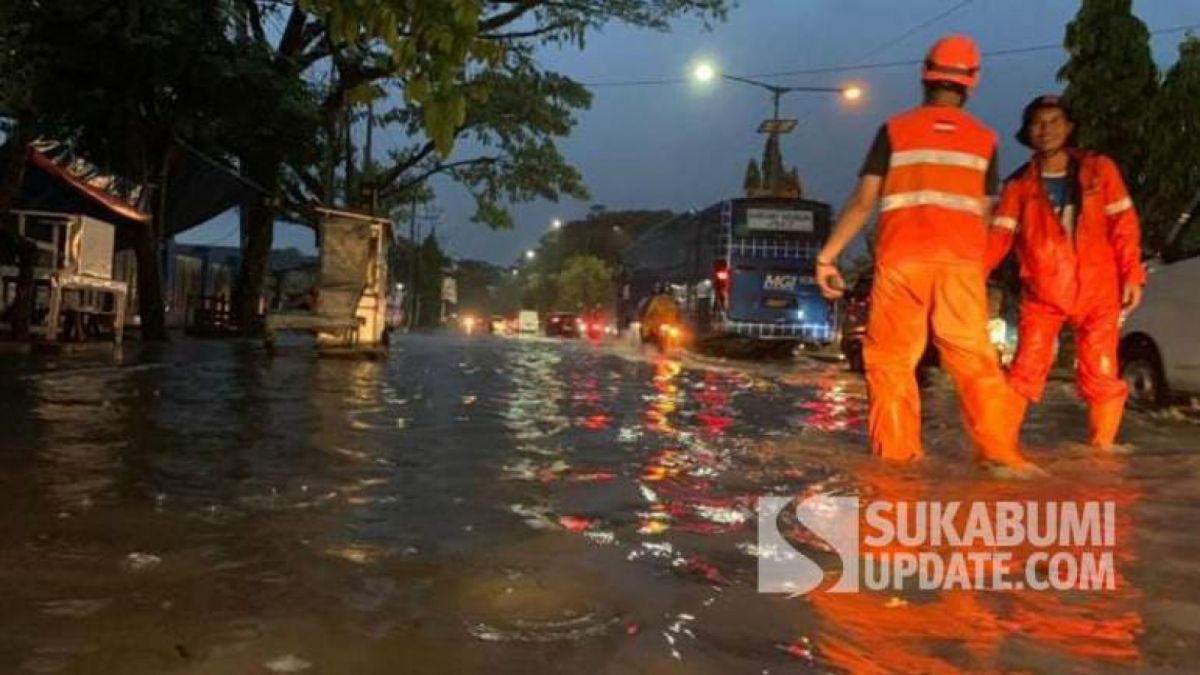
1078,243
932,171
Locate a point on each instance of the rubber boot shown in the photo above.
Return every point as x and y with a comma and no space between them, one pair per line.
1005,447
1104,419
1006,456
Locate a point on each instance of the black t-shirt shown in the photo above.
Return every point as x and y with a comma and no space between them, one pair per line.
879,159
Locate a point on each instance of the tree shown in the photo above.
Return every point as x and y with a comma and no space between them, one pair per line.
479,286
1111,82
451,70
429,283
585,283
1173,140
539,291
120,80
603,234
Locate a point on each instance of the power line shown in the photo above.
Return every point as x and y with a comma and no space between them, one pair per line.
822,70
916,29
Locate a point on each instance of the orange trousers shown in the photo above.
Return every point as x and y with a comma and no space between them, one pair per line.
1097,377
907,301
1097,333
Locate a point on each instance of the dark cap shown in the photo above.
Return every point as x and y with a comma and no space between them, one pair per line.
1043,102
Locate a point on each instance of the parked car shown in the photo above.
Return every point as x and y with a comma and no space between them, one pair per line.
1160,340
856,304
562,324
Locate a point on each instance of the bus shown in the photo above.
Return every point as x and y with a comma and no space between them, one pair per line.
741,268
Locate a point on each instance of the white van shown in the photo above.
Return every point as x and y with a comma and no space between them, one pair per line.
527,321
1160,341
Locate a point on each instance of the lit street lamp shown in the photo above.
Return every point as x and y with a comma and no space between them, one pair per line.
706,72
530,254
556,223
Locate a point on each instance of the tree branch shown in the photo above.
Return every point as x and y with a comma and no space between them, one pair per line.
312,48
393,174
350,76
495,21
440,168
310,182
291,45
255,18
526,34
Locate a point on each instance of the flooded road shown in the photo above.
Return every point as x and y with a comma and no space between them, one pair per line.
480,505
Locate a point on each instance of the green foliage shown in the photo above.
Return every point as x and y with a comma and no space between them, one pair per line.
1112,80
603,234
466,70
1173,141
584,284
481,287
539,291
119,79
429,282
431,44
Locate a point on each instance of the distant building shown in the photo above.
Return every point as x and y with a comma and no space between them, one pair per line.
196,273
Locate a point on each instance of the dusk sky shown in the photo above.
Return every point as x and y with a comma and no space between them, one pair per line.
682,146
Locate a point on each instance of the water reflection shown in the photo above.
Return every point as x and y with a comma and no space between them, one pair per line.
520,506
955,631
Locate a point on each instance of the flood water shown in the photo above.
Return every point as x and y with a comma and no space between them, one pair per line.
483,505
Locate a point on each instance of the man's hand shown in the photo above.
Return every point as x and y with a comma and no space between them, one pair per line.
829,278
1131,297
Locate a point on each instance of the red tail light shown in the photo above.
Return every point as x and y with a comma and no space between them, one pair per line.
721,279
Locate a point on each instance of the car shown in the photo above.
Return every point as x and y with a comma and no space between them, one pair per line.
562,324
855,308
595,325
1159,350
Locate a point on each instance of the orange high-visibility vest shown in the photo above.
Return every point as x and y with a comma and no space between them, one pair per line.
934,194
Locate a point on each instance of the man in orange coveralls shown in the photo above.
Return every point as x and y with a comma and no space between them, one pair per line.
1079,247
932,170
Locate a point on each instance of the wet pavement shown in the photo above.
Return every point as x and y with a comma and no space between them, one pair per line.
488,505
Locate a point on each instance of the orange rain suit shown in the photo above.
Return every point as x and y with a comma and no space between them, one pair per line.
1076,280
930,275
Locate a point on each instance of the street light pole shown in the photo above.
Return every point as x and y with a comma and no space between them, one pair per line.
774,181
777,91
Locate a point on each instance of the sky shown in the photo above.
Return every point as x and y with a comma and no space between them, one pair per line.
686,145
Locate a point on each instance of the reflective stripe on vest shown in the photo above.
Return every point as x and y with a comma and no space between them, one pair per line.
949,200
940,158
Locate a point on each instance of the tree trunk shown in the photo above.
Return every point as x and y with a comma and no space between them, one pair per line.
12,173
258,233
151,308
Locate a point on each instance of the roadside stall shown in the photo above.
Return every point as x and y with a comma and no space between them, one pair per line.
349,304
72,228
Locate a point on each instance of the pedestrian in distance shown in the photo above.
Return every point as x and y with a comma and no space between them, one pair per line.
1078,242
932,171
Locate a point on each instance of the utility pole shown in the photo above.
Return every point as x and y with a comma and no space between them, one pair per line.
414,258
368,167
349,159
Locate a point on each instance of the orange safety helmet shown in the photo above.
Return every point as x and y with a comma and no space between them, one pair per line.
954,58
